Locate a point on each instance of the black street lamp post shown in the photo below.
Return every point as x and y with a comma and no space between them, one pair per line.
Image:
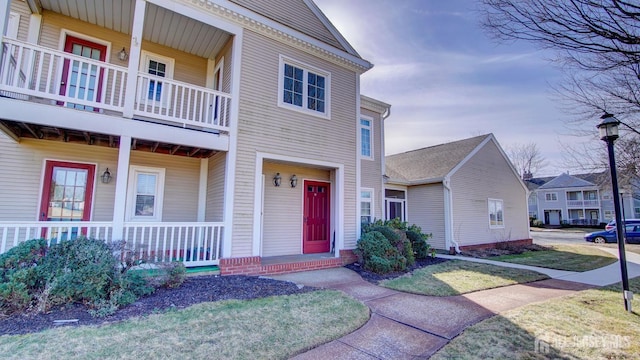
609,133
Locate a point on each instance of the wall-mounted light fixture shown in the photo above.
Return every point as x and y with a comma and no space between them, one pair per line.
122,55
106,177
277,180
293,180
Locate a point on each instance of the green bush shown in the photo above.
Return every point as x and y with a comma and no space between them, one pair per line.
80,270
419,243
376,253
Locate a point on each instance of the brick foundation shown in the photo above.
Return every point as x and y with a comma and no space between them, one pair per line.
253,265
522,242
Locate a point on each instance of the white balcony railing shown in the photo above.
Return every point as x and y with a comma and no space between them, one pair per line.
582,203
70,80
194,243
30,70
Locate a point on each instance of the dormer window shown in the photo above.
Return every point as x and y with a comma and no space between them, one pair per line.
303,88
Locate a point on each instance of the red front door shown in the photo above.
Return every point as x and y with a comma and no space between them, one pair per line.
82,80
67,192
316,235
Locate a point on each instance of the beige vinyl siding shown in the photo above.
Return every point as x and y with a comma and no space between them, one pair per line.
226,52
215,187
23,165
371,170
425,208
181,183
282,216
22,9
23,182
265,127
295,14
188,68
487,175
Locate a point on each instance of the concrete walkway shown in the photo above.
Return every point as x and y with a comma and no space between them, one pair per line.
408,326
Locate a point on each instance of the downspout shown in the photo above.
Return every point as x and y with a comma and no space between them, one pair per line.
448,221
386,113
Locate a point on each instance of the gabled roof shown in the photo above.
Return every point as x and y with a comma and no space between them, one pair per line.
566,181
430,164
303,16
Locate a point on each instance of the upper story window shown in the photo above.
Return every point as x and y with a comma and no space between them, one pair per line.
366,135
303,88
496,213
551,196
366,202
159,67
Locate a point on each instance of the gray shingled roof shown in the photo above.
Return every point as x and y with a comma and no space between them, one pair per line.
566,181
431,163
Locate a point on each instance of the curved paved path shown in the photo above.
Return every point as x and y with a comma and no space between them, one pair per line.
408,326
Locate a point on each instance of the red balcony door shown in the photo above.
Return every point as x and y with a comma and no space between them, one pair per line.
81,80
316,229
67,192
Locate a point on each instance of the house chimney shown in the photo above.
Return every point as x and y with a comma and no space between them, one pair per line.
527,175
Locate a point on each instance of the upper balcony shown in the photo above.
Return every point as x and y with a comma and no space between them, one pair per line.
171,69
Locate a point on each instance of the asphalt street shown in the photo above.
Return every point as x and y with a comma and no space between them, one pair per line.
547,237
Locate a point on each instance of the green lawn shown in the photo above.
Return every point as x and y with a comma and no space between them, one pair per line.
591,324
458,277
563,257
268,328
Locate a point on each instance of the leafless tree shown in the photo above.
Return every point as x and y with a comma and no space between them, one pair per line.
526,158
597,45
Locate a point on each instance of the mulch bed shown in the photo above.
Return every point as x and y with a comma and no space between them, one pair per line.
194,290
375,278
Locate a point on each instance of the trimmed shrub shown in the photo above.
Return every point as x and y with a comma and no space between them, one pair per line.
372,249
419,244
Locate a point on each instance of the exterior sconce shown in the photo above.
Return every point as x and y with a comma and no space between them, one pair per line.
106,177
293,180
122,55
277,180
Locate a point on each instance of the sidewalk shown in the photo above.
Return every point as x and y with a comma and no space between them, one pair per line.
408,326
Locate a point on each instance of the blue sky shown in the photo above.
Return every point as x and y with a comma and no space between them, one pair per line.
447,80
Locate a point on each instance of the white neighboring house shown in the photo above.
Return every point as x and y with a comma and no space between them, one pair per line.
466,193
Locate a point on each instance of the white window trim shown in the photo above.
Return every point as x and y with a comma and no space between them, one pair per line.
554,194
303,109
370,128
145,57
369,200
498,226
131,192
13,25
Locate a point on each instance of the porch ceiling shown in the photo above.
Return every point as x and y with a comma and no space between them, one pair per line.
161,25
34,131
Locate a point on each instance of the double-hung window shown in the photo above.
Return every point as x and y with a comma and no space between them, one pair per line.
366,135
304,88
145,189
366,206
155,91
551,196
496,213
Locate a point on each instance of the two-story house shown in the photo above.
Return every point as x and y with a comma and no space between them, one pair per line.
581,199
226,132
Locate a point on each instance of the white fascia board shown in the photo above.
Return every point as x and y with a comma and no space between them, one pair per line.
195,13
15,110
332,29
264,21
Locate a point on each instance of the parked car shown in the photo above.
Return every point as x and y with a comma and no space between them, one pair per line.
612,223
632,235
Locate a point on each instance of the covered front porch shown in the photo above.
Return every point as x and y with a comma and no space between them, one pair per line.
165,201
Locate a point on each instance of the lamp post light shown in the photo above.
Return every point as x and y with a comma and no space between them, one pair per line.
609,133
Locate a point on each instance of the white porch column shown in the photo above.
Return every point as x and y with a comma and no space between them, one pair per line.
122,177
35,23
5,9
134,58
202,190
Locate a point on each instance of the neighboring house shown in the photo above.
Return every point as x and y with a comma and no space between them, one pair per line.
226,132
581,199
466,193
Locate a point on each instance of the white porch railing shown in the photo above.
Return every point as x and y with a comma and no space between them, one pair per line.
583,203
71,80
30,70
182,103
193,243
14,232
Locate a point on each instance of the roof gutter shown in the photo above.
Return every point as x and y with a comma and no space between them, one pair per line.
448,220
